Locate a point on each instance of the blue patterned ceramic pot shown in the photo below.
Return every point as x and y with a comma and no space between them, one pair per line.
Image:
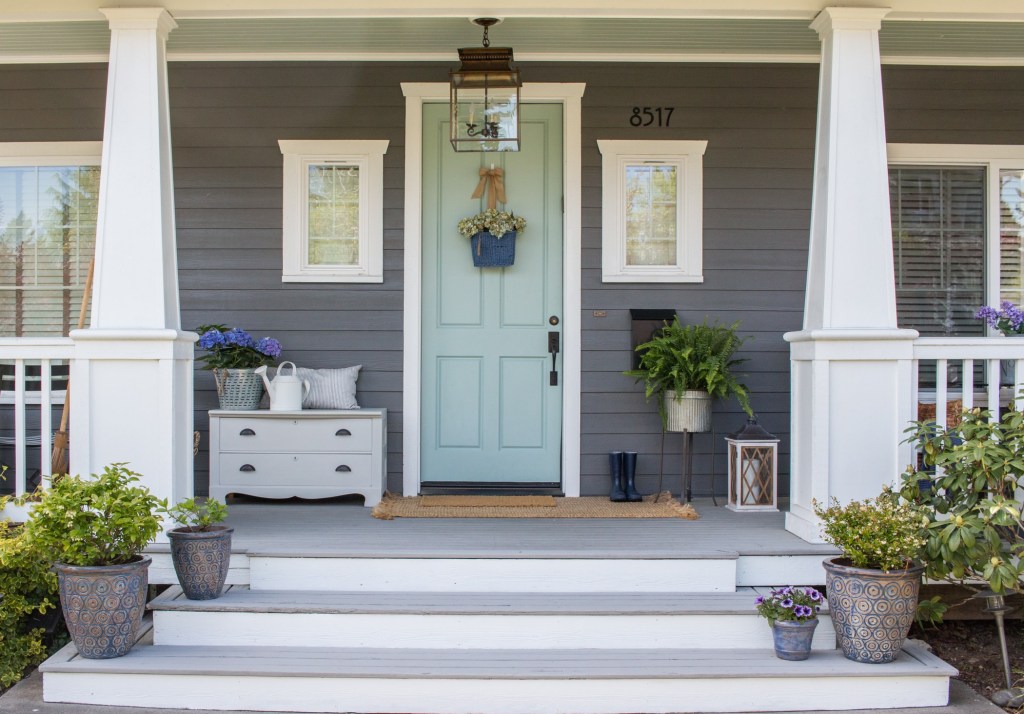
793,639
103,605
871,610
201,560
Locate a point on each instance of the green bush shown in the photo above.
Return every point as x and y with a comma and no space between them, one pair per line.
30,590
973,504
196,517
880,533
106,519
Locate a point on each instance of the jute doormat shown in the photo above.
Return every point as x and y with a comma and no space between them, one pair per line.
495,501
660,506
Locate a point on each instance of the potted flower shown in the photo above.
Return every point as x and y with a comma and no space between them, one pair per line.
233,355
686,367
792,613
873,587
1008,319
200,549
94,530
492,237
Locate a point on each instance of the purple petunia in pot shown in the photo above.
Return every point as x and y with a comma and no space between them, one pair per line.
1008,319
792,613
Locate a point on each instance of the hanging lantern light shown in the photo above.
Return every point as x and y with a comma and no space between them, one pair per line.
753,469
485,97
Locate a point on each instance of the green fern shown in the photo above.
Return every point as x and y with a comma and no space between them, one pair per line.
680,358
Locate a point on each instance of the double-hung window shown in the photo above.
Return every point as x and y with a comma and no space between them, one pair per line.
958,233
49,197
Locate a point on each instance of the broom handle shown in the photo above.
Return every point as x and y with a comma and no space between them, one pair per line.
86,294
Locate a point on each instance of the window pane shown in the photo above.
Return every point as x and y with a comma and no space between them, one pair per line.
47,238
1011,235
333,215
651,214
938,232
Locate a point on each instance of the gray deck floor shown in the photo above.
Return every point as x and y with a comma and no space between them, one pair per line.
345,528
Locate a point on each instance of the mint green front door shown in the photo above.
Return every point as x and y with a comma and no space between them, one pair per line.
490,413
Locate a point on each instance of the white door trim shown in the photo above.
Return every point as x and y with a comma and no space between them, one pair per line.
571,97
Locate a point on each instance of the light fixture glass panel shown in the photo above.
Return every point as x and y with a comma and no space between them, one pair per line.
486,119
332,222
1011,235
652,214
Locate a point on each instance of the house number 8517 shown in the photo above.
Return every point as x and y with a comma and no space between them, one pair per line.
647,116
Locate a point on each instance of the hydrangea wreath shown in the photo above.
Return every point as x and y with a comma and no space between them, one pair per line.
790,604
235,348
495,222
1008,319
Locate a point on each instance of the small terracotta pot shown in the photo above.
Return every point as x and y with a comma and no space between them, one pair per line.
103,605
201,560
871,610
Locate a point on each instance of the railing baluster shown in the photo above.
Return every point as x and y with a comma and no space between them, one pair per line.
45,419
20,450
1018,383
993,389
968,382
941,377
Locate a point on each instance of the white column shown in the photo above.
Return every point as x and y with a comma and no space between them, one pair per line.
132,374
850,363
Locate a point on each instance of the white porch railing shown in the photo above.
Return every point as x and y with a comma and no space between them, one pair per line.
18,397
986,372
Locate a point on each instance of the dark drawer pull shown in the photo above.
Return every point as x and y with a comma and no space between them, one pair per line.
344,468
247,467
343,432
247,432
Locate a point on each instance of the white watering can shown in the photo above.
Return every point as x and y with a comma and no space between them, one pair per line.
286,391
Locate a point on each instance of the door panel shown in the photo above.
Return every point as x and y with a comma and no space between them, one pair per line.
489,412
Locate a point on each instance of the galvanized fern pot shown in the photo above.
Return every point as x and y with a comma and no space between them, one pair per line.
238,389
871,610
103,605
793,639
690,413
201,560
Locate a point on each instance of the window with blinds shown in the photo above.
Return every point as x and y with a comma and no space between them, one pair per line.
938,230
47,238
1011,235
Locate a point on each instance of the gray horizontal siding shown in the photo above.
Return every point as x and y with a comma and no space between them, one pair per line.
759,122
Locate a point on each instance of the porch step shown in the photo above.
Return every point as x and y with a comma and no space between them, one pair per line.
502,681
713,571
287,618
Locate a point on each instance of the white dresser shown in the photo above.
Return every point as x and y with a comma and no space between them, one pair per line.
313,453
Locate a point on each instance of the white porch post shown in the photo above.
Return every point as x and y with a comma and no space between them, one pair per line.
132,374
850,364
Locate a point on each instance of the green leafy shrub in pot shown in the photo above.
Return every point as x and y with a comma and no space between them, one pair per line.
29,588
702,357
972,505
94,529
200,549
882,533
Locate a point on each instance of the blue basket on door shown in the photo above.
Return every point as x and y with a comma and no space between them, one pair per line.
491,252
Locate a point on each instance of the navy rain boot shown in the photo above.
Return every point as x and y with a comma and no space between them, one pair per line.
615,461
629,476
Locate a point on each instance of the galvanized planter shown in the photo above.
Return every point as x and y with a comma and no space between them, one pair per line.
238,389
793,639
201,560
103,605
691,413
871,610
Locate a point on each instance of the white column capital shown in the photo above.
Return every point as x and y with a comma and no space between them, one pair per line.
848,18
140,18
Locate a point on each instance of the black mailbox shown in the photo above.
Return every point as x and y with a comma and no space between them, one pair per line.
644,323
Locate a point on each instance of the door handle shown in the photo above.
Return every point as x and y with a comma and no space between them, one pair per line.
554,339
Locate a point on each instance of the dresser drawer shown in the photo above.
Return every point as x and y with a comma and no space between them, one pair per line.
296,435
293,470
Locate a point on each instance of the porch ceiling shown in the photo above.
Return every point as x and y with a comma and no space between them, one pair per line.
534,38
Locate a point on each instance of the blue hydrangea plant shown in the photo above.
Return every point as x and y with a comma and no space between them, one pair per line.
234,348
1008,319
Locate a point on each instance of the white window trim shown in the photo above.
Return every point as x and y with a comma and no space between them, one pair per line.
689,157
993,157
51,153
368,155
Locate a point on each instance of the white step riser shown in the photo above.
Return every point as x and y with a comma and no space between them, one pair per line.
512,696
491,575
439,631
161,571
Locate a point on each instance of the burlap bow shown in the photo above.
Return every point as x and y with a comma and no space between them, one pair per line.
492,183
